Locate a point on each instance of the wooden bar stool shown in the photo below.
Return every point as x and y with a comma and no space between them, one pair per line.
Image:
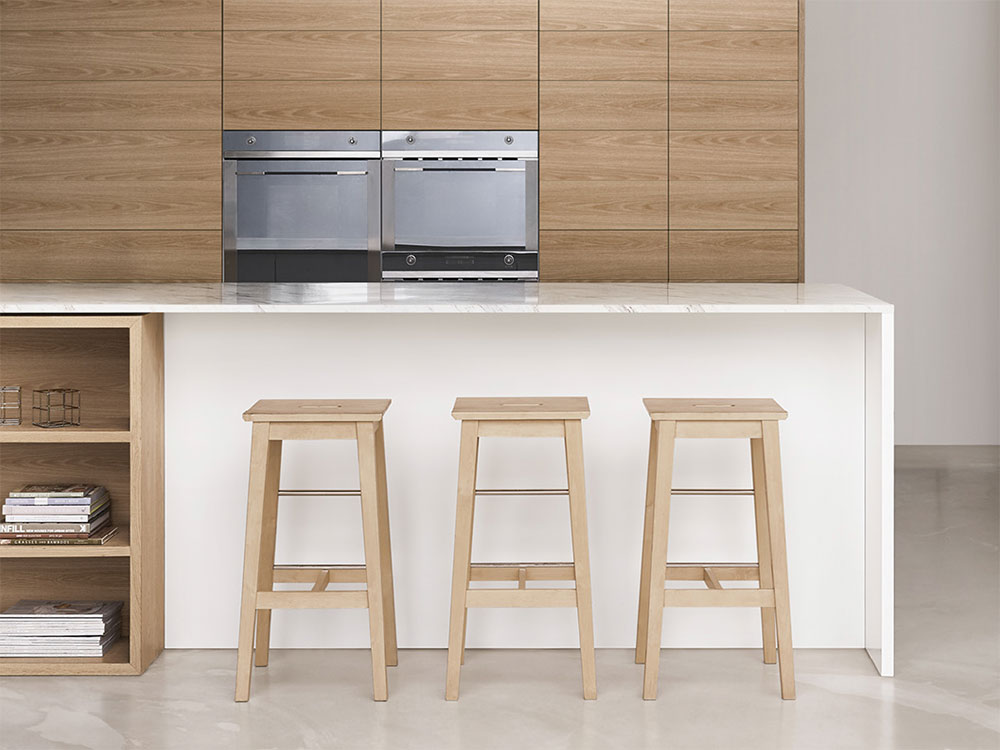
273,422
520,417
753,418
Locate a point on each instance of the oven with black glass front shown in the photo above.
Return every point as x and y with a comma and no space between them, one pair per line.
460,205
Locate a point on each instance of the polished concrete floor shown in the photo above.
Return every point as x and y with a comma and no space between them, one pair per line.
946,693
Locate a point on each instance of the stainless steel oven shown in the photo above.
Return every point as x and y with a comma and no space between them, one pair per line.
459,205
301,206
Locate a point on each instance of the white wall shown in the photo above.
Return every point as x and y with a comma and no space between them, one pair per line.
903,193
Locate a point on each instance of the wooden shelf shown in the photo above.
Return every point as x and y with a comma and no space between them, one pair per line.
116,661
113,431
116,362
117,546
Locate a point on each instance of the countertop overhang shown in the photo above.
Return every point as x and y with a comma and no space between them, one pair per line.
435,297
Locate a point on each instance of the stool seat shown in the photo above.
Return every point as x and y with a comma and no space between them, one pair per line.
521,408
713,409
317,410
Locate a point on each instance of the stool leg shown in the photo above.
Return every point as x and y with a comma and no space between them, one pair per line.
779,562
581,554
647,547
268,537
665,434
467,460
763,546
368,472
385,545
265,462
472,522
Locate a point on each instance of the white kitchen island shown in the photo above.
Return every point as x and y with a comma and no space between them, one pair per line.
824,352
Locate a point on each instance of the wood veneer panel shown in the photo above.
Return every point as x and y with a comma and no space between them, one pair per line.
109,55
105,105
577,15
733,56
603,56
708,204
82,255
110,155
52,357
603,256
734,256
316,15
733,15
99,578
802,141
572,204
301,105
603,105
458,55
146,483
49,15
602,155
301,55
459,105
733,105
110,204
413,15
734,155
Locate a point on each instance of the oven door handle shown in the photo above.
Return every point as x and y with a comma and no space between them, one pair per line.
345,172
451,169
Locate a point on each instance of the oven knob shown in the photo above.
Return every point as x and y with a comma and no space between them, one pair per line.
508,260
352,140
508,140
251,140
409,139
411,260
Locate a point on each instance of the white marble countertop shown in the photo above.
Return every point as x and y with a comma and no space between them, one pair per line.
436,297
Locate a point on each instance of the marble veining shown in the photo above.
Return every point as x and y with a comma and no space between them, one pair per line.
438,297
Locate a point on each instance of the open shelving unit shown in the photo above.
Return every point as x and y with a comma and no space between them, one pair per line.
116,362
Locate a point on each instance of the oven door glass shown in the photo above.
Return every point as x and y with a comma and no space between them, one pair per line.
474,205
302,205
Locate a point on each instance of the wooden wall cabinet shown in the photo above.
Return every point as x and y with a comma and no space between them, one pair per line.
320,15
485,105
459,65
460,55
461,15
595,15
110,142
735,161
603,141
301,65
681,118
119,444
674,118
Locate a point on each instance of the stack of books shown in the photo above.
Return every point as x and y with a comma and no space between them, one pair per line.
57,514
58,628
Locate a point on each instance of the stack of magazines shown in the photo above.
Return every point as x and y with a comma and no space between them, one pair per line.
57,514
58,628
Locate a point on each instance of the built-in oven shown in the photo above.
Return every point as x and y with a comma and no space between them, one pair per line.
459,205
301,206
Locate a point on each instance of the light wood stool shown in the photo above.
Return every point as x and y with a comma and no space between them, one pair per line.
273,422
753,418
520,417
